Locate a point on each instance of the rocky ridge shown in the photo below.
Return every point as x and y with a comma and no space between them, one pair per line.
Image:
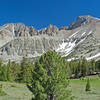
80,38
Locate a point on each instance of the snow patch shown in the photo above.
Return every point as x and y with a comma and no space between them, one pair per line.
88,58
82,40
62,46
70,59
89,32
83,33
69,48
97,55
66,47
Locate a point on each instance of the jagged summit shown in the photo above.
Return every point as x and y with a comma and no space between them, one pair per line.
88,16
81,20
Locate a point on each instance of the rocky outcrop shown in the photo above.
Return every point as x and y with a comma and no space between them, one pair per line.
51,30
18,40
33,31
21,30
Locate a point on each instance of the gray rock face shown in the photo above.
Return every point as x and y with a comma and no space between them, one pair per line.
81,38
18,40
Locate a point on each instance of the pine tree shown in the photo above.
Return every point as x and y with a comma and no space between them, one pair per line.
10,76
3,72
50,78
88,85
92,67
98,65
84,67
15,70
25,71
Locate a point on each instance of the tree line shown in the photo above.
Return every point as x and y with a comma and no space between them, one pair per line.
16,72
48,77
23,72
82,67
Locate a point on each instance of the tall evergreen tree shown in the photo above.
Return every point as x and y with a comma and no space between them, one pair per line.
10,76
84,67
98,65
3,72
92,66
88,85
15,70
26,71
50,78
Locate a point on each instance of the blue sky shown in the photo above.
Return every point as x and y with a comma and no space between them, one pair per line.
41,13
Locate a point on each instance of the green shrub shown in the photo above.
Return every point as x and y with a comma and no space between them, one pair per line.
2,93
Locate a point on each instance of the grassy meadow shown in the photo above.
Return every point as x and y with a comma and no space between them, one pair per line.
78,88
16,91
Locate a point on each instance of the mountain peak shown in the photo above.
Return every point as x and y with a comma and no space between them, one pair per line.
88,16
81,20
